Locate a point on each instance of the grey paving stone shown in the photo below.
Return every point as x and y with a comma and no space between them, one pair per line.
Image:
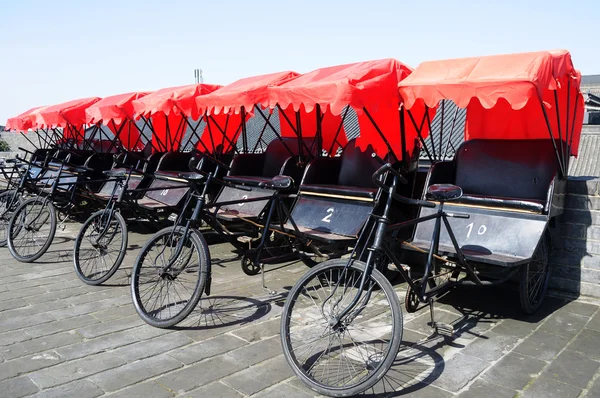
283,390
514,327
587,342
459,371
23,322
580,308
89,307
491,346
13,337
12,304
259,331
214,390
37,309
259,377
594,390
39,344
60,326
56,295
102,328
542,345
544,387
594,322
206,349
485,388
573,368
564,324
199,374
148,389
514,371
254,353
17,387
74,389
21,294
27,364
155,346
135,372
110,341
111,314
75,370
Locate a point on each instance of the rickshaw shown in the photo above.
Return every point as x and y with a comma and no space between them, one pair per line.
173,268
143,182
73,162
483,217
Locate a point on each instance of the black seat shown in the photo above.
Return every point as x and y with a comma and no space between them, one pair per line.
278,159
444,192
511,174
347,175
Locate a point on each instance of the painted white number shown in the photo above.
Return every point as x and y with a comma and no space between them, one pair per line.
164,192
327,218
244,198
480,231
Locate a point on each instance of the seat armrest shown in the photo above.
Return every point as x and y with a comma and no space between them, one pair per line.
323,171
247,164
291,168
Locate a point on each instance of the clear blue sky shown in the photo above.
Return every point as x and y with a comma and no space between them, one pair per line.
54,51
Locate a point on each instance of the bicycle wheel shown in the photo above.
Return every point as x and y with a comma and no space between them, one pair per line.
31,229
100,247
162,297
9,201
535,276
352,356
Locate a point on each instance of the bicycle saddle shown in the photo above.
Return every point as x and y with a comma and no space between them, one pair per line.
114,173
443,192
191,176
278,182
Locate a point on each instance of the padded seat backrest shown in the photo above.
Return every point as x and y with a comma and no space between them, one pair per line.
521,169
175,161
357,166
279,150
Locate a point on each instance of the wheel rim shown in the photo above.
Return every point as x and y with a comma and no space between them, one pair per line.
31,229
345,355
100,248
163,294
537,274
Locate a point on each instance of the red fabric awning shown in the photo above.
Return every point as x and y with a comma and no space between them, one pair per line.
22,122
173,100
371,85
71,113
245,93
503,94
363,84
515,78
116,108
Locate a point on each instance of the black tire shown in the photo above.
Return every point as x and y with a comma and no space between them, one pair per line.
300,326
31,229
96,260
147,276
248,265
534,277
9,202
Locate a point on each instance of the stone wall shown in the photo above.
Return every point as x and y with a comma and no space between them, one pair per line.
576,257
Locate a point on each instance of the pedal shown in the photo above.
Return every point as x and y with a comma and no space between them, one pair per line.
444,329
244,239
173,217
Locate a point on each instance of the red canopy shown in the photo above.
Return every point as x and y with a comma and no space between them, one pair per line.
371,86
116,108
503,94
173,100
22,122
245,93
363,84
71,113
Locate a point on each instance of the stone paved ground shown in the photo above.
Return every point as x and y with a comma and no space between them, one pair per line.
60,338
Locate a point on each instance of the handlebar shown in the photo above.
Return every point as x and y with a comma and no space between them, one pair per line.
387,167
